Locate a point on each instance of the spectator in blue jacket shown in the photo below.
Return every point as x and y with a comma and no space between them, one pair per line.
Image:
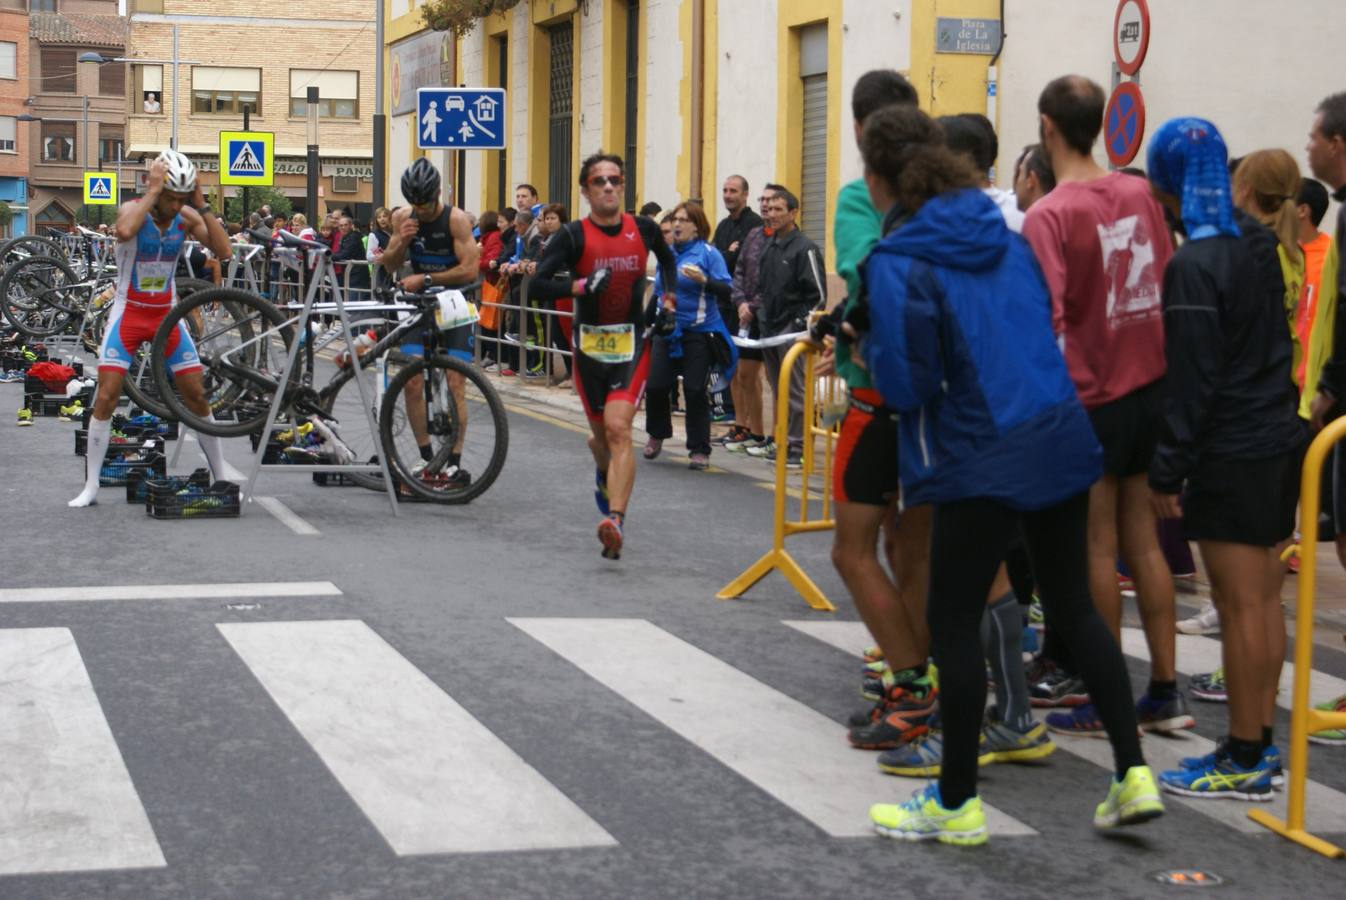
992,434
699,346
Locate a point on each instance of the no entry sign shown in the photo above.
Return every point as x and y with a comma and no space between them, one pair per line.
1131,35
1124,123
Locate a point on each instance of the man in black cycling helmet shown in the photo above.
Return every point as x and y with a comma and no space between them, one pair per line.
437,242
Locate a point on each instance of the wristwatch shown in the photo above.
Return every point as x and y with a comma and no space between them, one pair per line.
202,209
428,281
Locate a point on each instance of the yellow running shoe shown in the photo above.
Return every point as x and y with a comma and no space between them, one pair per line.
924,818
1132,800
25,416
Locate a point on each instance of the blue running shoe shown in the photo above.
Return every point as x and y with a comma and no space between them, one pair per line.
1271,760
1222,779
1082,721
601,492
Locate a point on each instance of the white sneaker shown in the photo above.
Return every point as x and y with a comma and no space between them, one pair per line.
1205,622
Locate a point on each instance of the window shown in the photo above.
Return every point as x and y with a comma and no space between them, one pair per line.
58,141
561,112
338,93
224,91
42,5
110,147
9,59
632,126
149,93
112,79
54,216
147,6
58,70
8,134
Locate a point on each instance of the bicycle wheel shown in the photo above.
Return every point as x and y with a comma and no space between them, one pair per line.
342,403
140,385
27,246
474,426
38,296
242,341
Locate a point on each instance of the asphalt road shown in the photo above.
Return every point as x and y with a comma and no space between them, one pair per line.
475,715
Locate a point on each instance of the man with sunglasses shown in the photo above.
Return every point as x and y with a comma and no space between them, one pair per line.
437,241
605,254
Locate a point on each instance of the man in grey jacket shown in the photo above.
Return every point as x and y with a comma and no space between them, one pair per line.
790,285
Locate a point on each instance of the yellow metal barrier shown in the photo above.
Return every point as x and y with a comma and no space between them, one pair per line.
1303,718
816,426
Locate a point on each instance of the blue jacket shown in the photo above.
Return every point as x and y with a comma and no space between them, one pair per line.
961,345
697,311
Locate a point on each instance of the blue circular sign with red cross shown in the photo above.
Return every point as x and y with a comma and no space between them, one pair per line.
1124,123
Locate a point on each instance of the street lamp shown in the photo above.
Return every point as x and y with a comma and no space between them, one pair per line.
174,62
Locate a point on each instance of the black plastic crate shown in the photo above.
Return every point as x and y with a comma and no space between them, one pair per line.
46,404
333,479
116,469
137,485
166,500
13,362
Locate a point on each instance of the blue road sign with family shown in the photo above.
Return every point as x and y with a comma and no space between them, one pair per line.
460,118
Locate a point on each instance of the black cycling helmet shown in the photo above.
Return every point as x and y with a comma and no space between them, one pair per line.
420,182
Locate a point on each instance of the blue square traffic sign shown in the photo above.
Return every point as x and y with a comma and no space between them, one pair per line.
460,118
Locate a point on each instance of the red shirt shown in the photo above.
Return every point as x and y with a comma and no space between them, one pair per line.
1103,246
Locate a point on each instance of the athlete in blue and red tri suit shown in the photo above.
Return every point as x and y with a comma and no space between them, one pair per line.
151,233
606,254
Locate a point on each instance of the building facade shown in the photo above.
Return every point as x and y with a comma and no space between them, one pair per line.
79,109
231,58
14,87
691,91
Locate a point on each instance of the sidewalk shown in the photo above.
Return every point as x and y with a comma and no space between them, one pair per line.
1329,614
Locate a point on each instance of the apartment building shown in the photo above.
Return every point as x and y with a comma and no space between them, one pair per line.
78,109
232,58
13,94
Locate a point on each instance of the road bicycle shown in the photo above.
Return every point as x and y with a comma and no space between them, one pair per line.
244,342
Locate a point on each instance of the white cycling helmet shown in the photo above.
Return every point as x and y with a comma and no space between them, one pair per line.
181,175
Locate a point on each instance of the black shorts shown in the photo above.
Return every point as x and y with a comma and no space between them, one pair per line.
751,354
1242,501
864,469
1128,430
600,383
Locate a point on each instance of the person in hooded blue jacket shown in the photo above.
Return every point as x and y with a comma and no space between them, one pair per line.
991,433
699,345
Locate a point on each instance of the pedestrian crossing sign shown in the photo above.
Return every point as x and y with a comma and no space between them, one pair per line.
100,189
246,157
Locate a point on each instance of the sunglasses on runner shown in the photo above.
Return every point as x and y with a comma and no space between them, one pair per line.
600,180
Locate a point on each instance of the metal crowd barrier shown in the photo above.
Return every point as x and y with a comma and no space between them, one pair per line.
1304,719
818,427
553,358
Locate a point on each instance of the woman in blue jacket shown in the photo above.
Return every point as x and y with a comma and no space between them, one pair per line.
991,433
699,345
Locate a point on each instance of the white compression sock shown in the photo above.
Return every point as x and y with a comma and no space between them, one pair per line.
220,470
99,431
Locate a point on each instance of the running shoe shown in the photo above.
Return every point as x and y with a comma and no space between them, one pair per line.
1165,715
1205,622
1000,743
72,412
610,536
1037,617
924,818
760,450
534,373
1222,778
1131,801
734,438
1082,721
698,462
748,445
1210,687
1271,760
872,654
794,458
1124,583
507,372
875,680
488,365
906,714
1185,582
601,491
1056,687
1333,737
25,417
922,757
653,447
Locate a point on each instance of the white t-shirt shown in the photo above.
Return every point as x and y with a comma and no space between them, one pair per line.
1009,207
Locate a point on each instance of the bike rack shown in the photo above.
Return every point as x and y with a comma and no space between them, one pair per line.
309,306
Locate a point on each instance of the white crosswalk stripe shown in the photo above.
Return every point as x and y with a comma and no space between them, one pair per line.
430,777
806,765
67,803
1326,807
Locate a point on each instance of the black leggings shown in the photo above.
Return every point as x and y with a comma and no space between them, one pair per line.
968,542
